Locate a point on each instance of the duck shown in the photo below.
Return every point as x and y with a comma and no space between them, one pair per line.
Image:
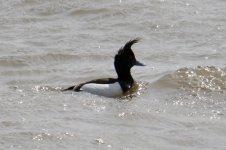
124,60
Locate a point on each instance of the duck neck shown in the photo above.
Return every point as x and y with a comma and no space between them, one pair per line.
124,74
125,78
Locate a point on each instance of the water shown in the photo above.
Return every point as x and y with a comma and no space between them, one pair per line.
48,45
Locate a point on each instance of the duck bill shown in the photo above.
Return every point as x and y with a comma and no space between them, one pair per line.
139,64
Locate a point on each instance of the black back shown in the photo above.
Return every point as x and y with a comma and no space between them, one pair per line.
97,81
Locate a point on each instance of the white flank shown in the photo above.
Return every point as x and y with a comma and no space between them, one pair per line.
108,90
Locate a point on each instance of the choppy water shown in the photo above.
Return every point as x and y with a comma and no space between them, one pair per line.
47,45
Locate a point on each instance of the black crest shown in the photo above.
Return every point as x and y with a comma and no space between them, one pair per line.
130,43
127,46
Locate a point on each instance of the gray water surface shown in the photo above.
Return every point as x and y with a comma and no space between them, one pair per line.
49,45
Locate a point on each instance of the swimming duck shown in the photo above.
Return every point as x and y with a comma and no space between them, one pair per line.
114,87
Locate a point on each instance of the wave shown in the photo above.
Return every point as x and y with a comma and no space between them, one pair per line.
206,79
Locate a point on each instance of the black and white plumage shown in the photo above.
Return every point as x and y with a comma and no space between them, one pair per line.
110,87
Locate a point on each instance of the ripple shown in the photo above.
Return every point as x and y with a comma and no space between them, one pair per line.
88,11
10,62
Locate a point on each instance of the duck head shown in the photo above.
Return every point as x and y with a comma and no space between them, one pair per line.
125,59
